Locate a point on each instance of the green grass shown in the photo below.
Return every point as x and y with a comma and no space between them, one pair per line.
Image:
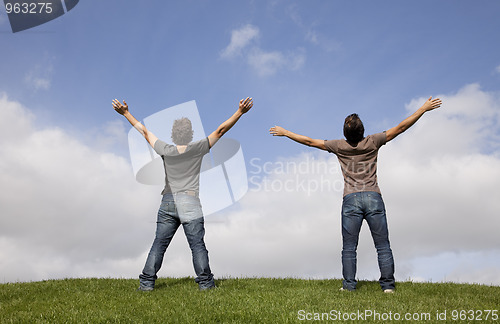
259,300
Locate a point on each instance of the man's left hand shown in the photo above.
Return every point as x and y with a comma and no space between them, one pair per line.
119,107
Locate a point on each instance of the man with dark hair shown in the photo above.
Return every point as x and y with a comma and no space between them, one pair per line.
353,129
180,203
362,198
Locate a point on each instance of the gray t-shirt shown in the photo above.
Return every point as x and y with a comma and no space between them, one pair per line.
182,170
358,163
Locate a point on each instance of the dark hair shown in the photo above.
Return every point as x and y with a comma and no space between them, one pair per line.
353,129
182,131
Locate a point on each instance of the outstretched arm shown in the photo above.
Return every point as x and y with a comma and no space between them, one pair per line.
280,131
429,105
244,107
122,109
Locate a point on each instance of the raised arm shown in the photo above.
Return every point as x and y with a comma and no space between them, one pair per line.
280,131
244,107
429,105
122,109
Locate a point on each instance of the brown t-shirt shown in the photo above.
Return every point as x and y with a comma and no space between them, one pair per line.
358,163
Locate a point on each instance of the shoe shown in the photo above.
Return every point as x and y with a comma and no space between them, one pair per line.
343,289
142,288
206,288
389,291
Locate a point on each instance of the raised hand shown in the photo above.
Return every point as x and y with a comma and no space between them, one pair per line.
119,107
245,105
431,104
277,131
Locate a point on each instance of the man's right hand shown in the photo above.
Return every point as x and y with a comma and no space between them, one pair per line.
431,104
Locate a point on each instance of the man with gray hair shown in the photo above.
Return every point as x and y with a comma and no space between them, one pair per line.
362,199
180,203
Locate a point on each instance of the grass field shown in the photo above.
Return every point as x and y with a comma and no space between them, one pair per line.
259,300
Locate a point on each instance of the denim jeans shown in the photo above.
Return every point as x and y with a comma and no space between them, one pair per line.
370,206
177,209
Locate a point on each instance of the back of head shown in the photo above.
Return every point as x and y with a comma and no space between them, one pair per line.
353,129
182,131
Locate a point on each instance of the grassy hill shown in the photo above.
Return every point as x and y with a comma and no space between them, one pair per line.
259,300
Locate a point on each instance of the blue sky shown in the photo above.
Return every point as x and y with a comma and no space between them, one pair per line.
307,64
358,56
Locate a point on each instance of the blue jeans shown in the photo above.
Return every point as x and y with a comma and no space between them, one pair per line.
370,206
177,209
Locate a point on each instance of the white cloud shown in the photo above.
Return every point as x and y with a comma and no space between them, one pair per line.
472,119
240,38
263,62
69,210
318,39
268,63
310,33
110,136
40,77
465,267
65,205
497,69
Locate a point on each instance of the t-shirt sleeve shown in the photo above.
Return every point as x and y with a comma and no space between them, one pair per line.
379,139
206,145
332,146
202,146
160,147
